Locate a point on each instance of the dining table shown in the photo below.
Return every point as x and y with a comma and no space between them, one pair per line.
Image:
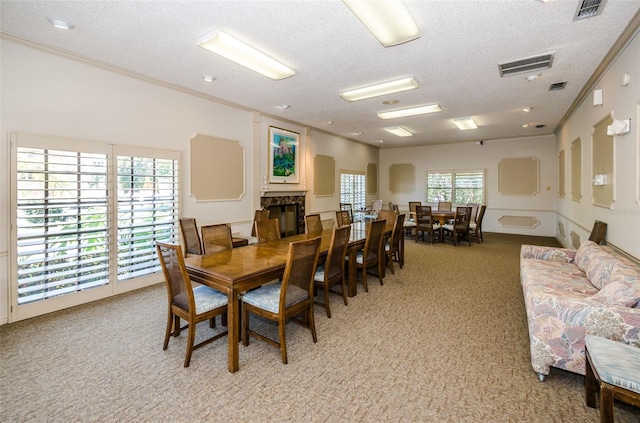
241,269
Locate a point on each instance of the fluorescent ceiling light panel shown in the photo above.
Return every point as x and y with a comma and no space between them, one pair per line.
376,90
464,124
420,110
388,20
230,48
398,131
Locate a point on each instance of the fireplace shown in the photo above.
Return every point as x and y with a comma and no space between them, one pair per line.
288,208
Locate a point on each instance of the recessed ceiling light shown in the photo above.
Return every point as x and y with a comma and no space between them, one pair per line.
525,125
527,109
465,124
390,102
532,77
60,23
235,50
208,78
356,134
389,21
380,141
329,122
284,106
398,131
412,111
376,90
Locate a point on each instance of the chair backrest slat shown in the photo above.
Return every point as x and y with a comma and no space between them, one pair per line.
268,230
216,238
189,230
334,265
300,267
313,223
177,281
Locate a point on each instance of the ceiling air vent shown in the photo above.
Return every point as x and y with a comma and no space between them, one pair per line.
588,9
540,126
528,64
557,86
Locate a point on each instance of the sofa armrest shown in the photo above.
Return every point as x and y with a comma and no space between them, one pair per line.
540,252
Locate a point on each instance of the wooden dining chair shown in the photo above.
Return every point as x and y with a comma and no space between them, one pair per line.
348,207
190,235
331,272
216,238
388,215
460,226
598,231
376,207
444,206
268,230
262,214
372,255
475,228
285,300
412,209
313,223
328,223
186,302
474,212
343,217
426,224
392,245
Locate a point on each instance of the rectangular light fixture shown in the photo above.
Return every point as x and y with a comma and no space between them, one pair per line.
412,111
384,88
388,20
464,124
235,50
398,131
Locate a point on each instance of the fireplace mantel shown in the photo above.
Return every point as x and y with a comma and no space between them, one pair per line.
272,193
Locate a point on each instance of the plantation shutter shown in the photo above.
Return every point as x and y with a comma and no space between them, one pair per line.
469,187
147,210
61,222
439,186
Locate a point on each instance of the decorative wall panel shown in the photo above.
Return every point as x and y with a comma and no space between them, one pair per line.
576,170
402,178
324,175
561,174
519,176
602,164
217,169
372,178
528,222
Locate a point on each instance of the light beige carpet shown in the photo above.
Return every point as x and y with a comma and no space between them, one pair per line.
444,340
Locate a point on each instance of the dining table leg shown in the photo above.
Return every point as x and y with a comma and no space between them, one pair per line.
352,285
233,328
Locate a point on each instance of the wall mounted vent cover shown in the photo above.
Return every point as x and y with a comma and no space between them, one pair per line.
528,64
589,9
557,86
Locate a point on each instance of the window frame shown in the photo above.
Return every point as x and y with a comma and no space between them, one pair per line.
113,286
359,189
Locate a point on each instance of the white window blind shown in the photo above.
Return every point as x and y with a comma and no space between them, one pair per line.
353,190
147,211
62,222
460,187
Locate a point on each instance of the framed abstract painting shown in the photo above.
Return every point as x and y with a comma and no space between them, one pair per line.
284,156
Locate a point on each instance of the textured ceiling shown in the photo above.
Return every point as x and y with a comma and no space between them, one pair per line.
455,60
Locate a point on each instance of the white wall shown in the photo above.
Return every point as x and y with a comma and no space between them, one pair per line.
50,94
472,156
623,218
348,155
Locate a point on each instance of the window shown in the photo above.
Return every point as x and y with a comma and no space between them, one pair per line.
353,190
73,232
459,187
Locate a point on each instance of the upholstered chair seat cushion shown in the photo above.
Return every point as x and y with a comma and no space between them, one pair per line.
206,299
319,276
359,257
268,297
617,363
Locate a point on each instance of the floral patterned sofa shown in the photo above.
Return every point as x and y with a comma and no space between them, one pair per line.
571,293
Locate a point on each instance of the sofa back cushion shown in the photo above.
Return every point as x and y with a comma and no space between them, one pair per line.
599,268
622,289
585,253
